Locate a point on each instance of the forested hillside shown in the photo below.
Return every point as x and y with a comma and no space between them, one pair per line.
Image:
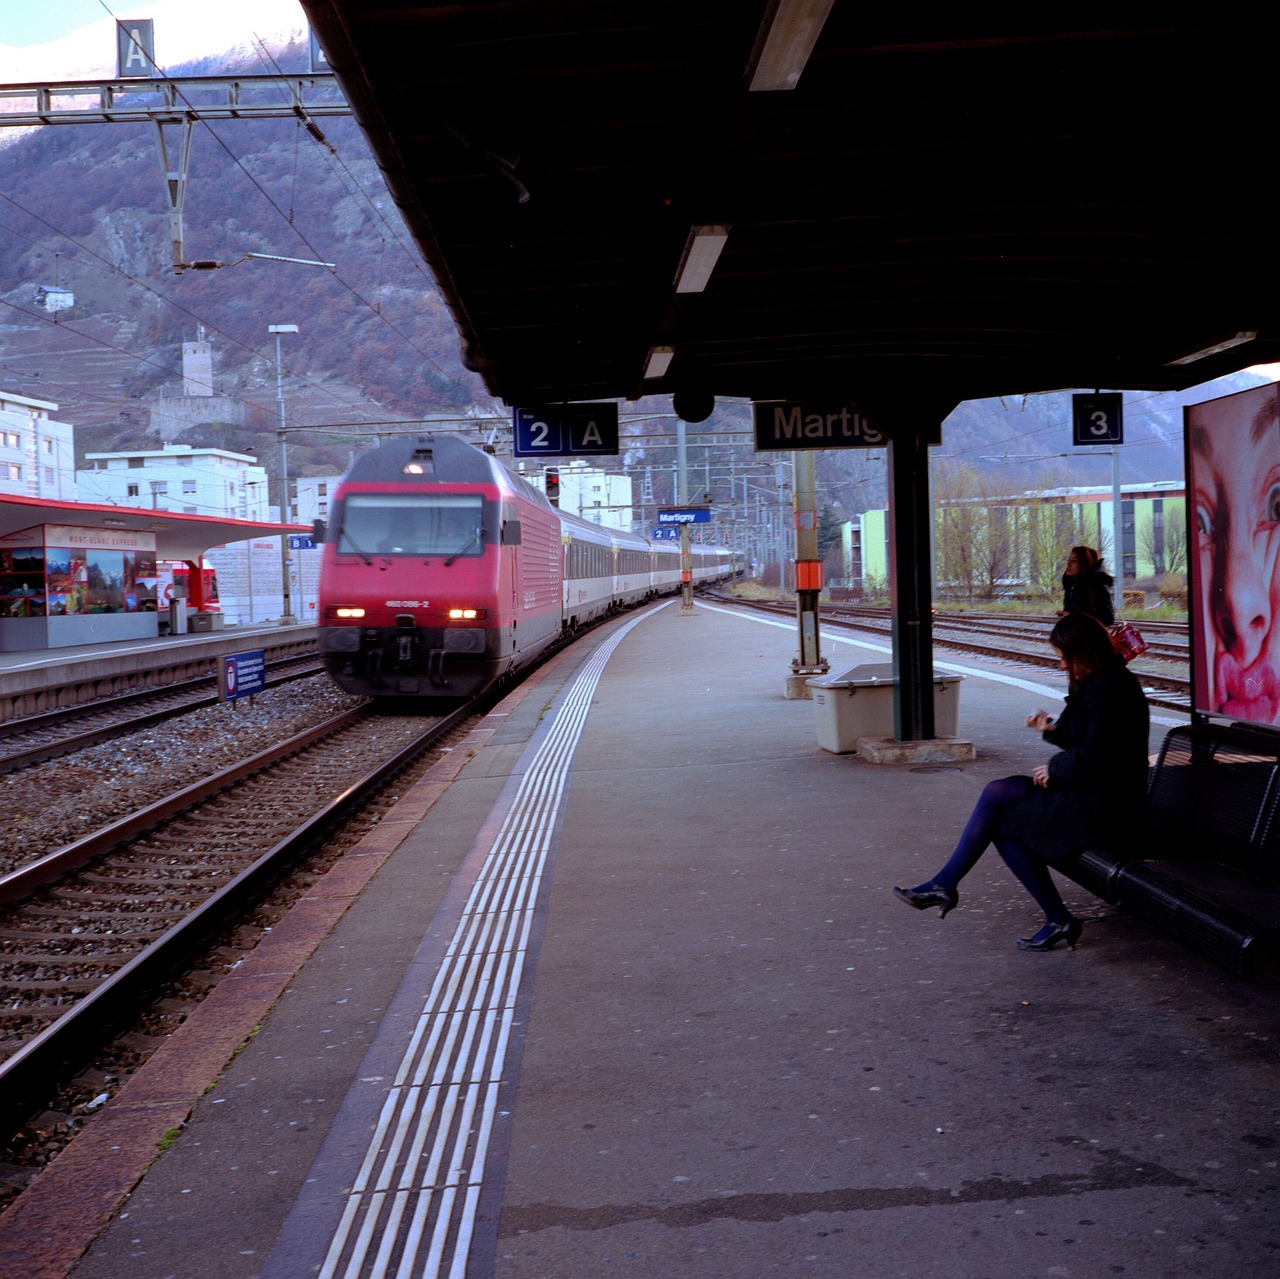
83,209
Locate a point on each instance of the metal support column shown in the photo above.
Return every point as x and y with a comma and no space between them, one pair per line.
286,617
682,499
175,164
808,566
909,571
1117,532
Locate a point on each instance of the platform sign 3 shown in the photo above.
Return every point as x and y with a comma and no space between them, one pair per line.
566,430
1097,418
242,675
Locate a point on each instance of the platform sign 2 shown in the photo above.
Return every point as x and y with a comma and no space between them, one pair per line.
242,674
1097,418
566,430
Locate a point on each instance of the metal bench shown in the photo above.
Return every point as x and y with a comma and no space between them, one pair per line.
1210,874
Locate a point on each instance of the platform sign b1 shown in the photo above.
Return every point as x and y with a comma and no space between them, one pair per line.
241,675
1097,418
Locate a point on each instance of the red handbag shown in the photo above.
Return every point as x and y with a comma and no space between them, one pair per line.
1127,640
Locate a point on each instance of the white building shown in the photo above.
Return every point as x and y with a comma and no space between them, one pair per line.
310,499
37,454
603,497
202,481
179,477
54,299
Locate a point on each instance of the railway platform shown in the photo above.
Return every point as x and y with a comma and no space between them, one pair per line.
620,987
48,678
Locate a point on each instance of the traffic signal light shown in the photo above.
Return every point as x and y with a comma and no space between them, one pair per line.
551,485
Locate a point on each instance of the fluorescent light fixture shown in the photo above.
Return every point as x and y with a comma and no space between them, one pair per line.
790,30
701,254
659,362
1238,340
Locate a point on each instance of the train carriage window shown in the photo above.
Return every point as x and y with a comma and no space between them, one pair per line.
443,524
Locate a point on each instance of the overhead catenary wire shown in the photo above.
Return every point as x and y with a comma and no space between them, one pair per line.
375,310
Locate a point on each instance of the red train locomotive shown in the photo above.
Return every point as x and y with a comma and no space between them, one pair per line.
443,571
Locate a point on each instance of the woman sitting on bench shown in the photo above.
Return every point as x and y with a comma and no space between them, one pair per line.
1093,789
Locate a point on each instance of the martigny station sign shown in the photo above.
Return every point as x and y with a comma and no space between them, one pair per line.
783,425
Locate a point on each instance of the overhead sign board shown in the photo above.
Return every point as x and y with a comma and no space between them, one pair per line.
1097,418
685,515
566,430
135,48
783,425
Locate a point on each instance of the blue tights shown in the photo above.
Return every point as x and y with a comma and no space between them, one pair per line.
1030,870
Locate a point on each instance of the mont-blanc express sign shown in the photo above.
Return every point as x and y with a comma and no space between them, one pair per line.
783,425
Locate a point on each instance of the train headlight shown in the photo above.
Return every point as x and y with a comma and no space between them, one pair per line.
345,614
467,614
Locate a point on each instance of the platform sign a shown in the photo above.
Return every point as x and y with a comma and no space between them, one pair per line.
135,48
241,674
1097,418
566,430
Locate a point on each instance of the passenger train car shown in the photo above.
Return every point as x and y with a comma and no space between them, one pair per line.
442,571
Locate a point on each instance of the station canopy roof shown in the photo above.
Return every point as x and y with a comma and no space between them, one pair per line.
950,203
178,537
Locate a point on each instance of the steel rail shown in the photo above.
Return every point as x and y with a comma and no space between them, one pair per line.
36,1061
11,762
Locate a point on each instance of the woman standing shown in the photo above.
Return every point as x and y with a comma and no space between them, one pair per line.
1086,586
1094,789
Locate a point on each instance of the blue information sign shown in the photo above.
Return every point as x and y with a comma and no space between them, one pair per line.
242,675
563,430
301,542
669,534
685,515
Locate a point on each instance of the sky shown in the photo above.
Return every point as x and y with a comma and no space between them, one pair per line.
70,39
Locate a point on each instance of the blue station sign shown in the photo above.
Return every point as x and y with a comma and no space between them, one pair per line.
685,515
301,542
566,430
242,675
671,533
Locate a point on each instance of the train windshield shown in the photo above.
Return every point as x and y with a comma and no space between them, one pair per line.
448,524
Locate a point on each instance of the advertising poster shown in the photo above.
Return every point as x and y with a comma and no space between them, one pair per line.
1233,501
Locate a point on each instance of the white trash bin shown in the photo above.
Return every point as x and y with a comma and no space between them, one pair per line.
858,703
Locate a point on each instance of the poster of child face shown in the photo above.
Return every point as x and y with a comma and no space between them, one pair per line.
1233,485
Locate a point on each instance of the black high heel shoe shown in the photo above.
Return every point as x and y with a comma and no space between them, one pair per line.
1051,934
929,895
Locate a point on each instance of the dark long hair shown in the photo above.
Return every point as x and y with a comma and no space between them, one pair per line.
1084,644
1086,558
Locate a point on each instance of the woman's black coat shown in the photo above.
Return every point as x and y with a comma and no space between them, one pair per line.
1098,781
1089,592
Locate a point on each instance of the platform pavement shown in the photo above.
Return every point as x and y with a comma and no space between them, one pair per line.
742,1056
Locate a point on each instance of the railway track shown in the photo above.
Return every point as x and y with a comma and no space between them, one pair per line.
36,738
86,930
1162,668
